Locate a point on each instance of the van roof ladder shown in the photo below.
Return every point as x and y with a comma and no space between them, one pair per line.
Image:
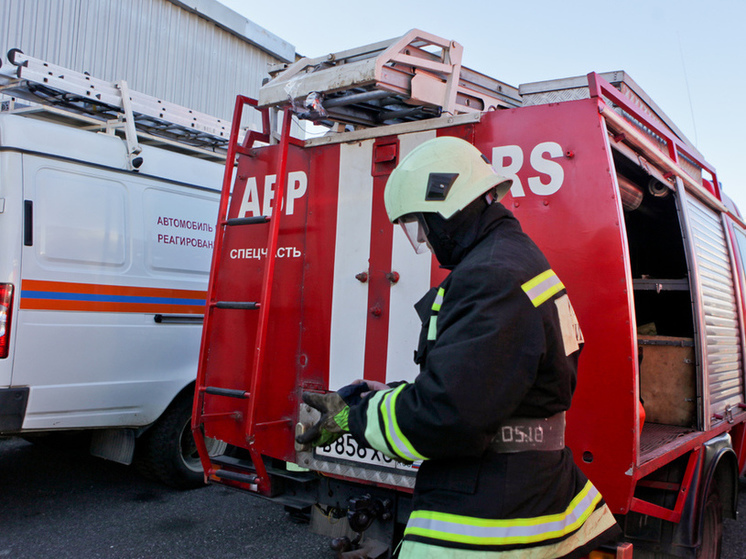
58,93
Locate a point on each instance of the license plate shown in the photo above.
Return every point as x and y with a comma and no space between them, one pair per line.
346,449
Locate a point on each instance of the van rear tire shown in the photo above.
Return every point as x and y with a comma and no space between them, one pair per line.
167,452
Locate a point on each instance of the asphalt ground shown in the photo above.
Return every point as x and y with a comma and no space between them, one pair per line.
62,504
57,504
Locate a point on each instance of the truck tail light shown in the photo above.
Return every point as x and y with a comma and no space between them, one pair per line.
6,308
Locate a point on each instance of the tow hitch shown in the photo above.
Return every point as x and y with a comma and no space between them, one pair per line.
361,514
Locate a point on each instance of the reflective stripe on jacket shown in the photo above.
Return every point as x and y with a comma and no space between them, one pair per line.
485,531
599,521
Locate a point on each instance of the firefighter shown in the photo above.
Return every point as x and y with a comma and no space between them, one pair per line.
498,358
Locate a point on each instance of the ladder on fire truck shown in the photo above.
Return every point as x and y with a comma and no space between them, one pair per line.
254,474
64,95
415,77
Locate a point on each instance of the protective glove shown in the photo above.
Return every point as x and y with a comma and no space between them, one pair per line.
333,422
353,393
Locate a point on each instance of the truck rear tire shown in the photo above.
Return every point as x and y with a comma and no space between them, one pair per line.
712,525
167,452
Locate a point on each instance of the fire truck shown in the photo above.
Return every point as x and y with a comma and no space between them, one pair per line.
311,288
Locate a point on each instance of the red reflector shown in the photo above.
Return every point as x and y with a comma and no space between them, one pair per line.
6,307
622,551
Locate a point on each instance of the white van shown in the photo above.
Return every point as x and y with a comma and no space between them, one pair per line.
103,274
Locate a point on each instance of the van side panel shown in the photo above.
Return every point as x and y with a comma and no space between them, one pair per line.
110,252
11,228
567,200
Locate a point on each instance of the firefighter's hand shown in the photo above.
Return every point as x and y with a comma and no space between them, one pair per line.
333,421
370,385
353,393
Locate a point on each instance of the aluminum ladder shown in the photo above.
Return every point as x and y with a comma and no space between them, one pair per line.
413,77
59,93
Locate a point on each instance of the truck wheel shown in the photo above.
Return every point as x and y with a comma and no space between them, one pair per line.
167,452
712,525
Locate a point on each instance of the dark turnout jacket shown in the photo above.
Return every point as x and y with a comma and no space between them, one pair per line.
499,341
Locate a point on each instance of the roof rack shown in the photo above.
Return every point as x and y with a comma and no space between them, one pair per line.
61,94
413,77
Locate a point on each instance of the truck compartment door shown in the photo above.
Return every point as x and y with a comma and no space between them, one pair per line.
716,311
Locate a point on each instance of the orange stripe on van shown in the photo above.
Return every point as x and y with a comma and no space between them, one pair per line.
89,297
69,287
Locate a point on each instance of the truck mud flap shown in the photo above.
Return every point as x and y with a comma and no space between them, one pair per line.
12,408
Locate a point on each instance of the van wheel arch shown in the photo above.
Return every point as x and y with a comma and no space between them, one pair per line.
166,451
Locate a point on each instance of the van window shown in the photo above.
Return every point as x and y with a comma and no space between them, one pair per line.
80,219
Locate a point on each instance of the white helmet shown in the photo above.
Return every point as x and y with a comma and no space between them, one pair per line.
443,176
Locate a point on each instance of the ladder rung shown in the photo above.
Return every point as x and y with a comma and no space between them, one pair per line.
269,424
247,220
208,417
229,392
233,462
247,466
244,305
235,476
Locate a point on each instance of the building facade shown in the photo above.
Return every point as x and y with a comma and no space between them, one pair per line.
200,55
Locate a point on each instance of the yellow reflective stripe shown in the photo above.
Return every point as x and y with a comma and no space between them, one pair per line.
342,419
598,522
432,329
396,439
438,299
542,287
486,531
373,433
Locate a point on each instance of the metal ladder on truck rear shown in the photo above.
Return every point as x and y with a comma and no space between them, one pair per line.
64,95
252,476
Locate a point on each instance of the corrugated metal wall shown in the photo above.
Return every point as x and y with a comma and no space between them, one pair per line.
160,48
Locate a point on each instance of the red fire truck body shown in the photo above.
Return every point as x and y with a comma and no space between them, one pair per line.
631,218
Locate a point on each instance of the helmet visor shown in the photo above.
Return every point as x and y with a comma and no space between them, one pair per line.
415,229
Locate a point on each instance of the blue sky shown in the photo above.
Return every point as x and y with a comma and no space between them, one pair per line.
689,56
